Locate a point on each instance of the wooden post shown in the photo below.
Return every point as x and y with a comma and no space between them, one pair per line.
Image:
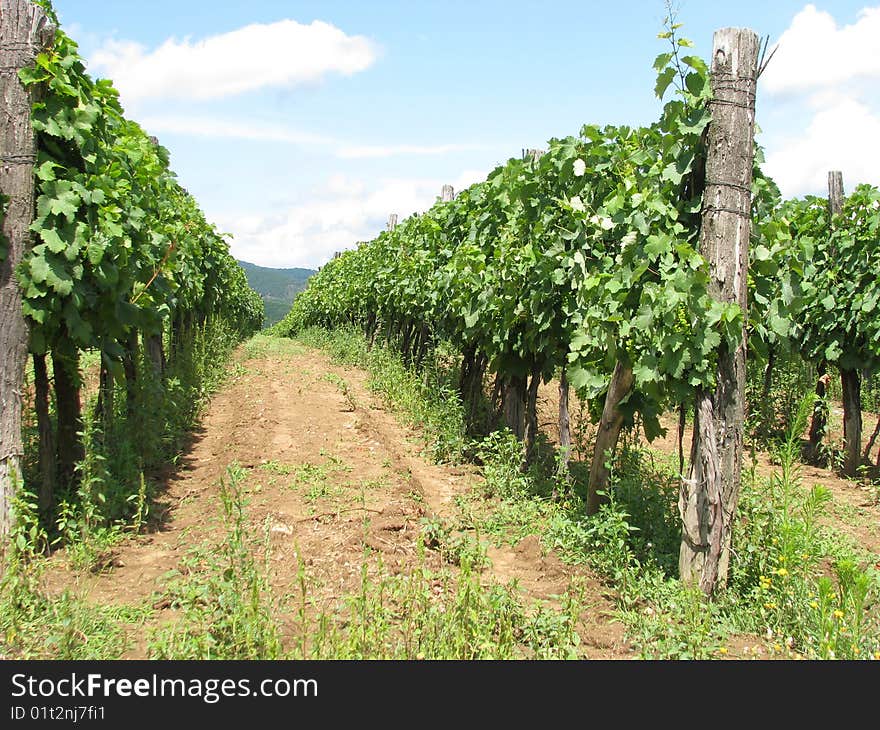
519,400
447,195
154,343
156,353
564,426
68,405
392,221
531,420
24,32
47,451
835,192
870,445
709,496
850,380
513,403
819,421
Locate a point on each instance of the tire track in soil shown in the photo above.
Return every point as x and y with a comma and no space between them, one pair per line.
329,474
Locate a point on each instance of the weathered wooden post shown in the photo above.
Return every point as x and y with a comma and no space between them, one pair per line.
532,154
835,192
819,421
866,454
154,343
536,374
518,399
24,32
850,380
392,221
447,195
709,497
156,353
564,426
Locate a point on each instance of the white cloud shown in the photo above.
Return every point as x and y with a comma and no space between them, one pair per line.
229,129
353,152
840,137
345,212
212,127
821,88
817,53
277,55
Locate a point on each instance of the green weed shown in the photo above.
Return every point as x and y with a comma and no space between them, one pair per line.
224,595
37,625
433,615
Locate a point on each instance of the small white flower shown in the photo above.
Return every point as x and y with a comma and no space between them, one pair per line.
580,168
603,222
577,204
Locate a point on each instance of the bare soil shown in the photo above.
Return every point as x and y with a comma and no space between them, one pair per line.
331,472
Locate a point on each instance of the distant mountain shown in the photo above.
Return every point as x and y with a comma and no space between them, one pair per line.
278,287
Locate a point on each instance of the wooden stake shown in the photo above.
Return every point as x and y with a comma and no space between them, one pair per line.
564,426
709,496
850,380
24,32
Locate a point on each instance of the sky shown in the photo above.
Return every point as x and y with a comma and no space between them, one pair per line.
301,126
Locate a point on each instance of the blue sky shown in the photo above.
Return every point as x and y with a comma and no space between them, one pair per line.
300,126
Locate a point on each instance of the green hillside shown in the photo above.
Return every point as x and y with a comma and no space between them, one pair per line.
277,287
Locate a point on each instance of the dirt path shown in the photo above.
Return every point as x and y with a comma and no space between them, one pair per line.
329,473
331,476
